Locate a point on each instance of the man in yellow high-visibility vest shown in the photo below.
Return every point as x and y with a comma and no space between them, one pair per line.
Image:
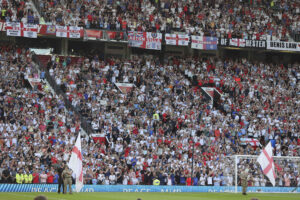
156,182
20,177
28,177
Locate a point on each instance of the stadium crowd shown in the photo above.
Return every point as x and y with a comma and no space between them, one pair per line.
36,132
267,20
152,129
262,20
18,11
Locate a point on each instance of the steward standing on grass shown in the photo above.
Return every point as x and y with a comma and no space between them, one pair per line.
67,176
244,180
60,178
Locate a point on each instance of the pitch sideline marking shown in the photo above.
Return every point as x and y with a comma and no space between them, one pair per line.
25,195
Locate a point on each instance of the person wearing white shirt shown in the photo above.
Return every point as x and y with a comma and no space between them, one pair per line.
217,180
210,180
106,181
112,179
256,181
125,179
263,181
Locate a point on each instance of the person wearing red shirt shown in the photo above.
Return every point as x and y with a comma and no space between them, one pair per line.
36,177
50,176
54,160
189,181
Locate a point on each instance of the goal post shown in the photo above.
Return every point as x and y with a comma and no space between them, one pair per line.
287,168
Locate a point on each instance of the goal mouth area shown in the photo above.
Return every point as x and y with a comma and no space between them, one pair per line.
287,169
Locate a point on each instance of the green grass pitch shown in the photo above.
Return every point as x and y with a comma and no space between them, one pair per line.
149,196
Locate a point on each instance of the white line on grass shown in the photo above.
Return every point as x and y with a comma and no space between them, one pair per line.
32,196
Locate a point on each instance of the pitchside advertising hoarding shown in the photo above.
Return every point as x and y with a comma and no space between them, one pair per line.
143,188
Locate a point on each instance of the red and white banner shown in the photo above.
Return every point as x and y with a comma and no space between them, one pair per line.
68,31
99,138
153,41
265,159
61,31
93,34
21,30
42,29
74,32
30,30
237,42
252,141
75,163
34,81
145,40
177,39
125,87
13,29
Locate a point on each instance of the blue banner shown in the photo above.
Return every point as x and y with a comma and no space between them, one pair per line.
141,188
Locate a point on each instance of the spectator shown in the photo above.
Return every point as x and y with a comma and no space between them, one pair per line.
36,177
43,177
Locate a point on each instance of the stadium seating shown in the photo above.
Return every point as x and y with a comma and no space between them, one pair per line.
151,128
153,125
264,20
151,116
21,11
36,131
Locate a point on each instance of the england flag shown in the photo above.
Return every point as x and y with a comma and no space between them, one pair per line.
265,159
177,39
75,163
237,42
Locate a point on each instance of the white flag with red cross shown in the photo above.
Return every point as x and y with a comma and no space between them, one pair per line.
177,39
18,29
252,141
265,159
75,163
237,42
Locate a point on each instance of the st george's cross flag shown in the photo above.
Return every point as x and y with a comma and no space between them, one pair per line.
177,39
75,163
21,30
265,159
236,42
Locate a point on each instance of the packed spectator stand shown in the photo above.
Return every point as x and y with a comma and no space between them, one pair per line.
18,11
166,111
36,131
260,20
151,130
155,129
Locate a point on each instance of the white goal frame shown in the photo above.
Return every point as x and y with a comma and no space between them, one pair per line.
253,157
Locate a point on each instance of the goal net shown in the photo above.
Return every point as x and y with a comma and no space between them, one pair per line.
287,171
